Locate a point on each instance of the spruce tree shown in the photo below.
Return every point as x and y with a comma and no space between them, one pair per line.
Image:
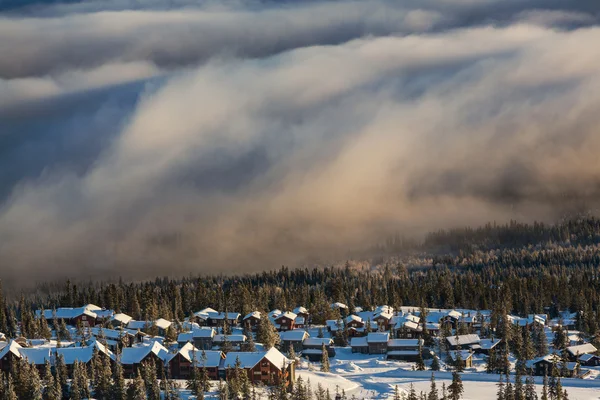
501,392
530,393
324,359
455,390
137,388
420,365
10,392
267,334
412,394
118,388
435,363
433,392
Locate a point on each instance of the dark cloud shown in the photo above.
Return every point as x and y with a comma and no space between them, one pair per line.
243,136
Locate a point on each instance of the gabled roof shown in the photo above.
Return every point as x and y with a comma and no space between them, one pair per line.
464,354
359,341
297,335
212,359
222,315
36,355
11,347
300,310
67,313
288,315
253,314
339,305
250,359
586,348
487,344
378,337
405,342
318,342
232,338
355,318
162,323
463,340
122,318
134,355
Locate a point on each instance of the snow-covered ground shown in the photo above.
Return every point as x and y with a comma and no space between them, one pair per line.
371,377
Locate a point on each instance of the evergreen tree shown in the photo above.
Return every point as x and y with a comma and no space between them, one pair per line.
52,391
137,388
10,392
412,394
455,390
118,389
435,363
267,334
324,359
433,392
501,392
420,365
530,392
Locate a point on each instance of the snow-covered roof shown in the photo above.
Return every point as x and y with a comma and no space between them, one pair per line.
464,354
359,341
36,355
250,359
162,323
378,337
122,318
318,342
405,342
134,355
339,305
110,333
223,315
274,313
383,314
300,310
355,318
403,353
209,359
487,344
587,357
585,348
67,313
463,340
232,338
13,347
288,315
333,325
255,314
294,335
299,321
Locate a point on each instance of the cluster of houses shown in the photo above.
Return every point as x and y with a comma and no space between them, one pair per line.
396,334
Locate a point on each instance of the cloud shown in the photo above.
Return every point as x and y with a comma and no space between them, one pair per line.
290,145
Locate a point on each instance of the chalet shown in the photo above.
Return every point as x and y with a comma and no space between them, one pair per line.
406,349
71,316
302,316
293,338
377,342
218,318
575,351
119,320
542,366
133,357
235,340
312,348
333,325
251,320
262,367
182,362
339,306
359,345
285,321
589,360
9,353
485,346
407,327
464,356
159,326
383,318
114,337
201,317
202,338
355,326
462,341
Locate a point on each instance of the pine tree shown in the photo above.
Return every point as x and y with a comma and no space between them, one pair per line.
397,393
324,359
501,392
444,392
51,389
10,392
456,387
433,392
292,354
519,389
34,387
61,374
509,393
545,388
420,365
118,388
137,388
267,334
530,393
412,394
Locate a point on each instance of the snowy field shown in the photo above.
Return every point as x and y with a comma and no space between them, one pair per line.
371,377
